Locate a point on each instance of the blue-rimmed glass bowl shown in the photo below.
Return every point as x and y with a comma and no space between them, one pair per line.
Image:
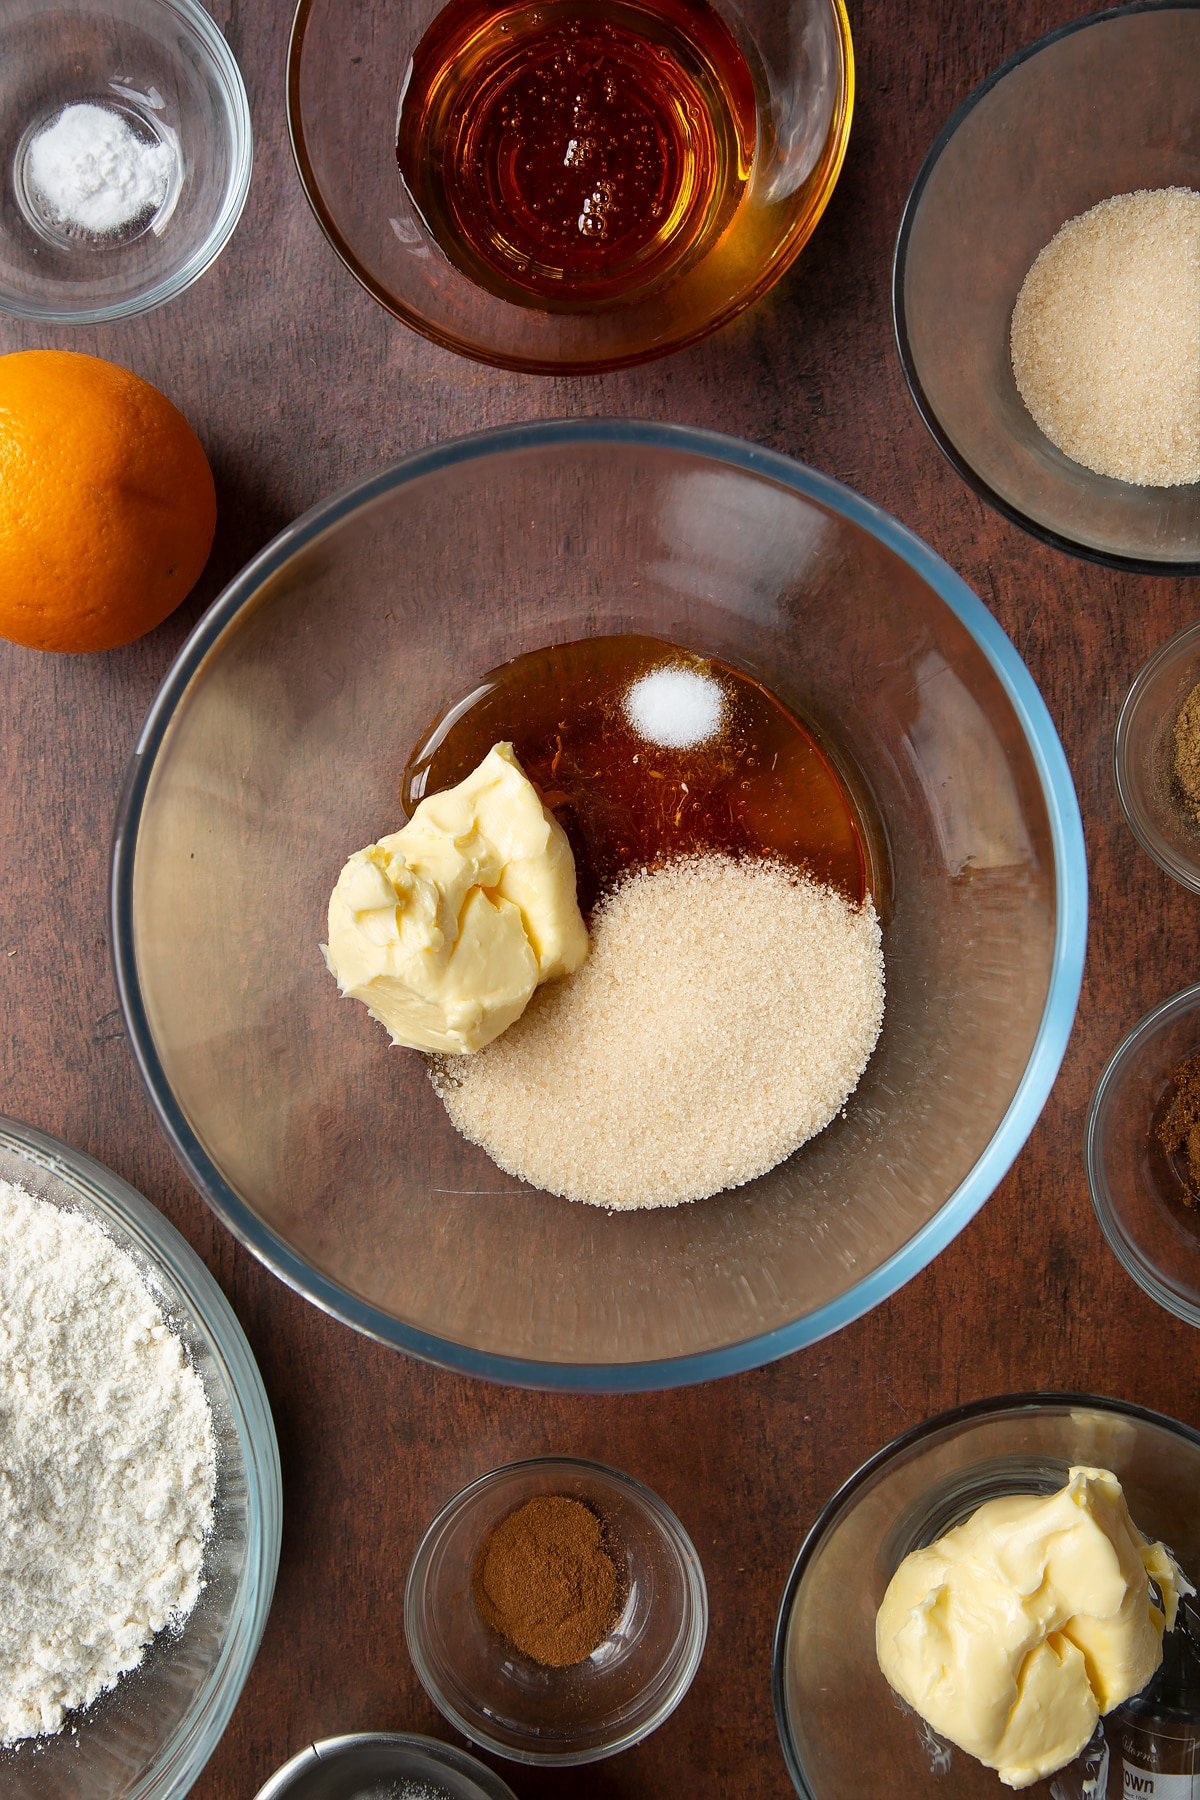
149,1737
275,746
843,1732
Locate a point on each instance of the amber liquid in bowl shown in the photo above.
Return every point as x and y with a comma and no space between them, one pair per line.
761,786
571,154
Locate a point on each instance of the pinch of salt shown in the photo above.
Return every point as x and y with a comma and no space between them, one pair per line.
676,708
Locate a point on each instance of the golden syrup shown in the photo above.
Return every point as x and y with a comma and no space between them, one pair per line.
570,154
760,785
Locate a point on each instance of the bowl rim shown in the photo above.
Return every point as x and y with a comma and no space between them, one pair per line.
998,1406
1137,816
1070,870
139,1224
834,154
1134,565
648,1502
224,65
327,1750
1128,1251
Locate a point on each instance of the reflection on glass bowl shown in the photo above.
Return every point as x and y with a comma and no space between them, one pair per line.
844,1733
277,745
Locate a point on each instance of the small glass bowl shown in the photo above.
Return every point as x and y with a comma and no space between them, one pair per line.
163,65
149,1737
844,1733
1103,106
347,66
631,1682
341,1768
1143,756
1137,1195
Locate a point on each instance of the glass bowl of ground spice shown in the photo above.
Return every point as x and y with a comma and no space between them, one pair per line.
556,1611
1047,289
1143,1154
125,155
1156,756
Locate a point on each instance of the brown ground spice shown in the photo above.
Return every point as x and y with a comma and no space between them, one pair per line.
1179,1130
1186,741
545,1581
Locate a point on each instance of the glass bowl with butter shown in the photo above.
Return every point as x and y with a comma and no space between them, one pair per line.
1013,1563
278,745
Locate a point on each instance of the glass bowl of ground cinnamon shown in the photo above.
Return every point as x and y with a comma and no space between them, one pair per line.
1156,754
556,1611
1142,1149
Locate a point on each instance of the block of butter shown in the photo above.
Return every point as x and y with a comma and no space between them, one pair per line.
1014,1632
444,929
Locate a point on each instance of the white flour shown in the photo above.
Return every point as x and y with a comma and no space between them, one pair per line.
107,1466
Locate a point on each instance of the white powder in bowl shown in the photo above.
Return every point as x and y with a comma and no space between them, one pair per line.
676,708
89,169
107,1466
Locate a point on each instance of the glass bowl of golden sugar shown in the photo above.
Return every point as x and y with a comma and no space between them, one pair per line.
1047,289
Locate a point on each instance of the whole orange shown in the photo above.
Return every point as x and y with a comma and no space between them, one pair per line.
107,505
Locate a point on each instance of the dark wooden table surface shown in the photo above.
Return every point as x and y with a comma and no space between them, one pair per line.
298,383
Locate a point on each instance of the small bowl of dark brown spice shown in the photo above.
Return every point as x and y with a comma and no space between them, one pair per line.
1143,1154
556,1611
1156,753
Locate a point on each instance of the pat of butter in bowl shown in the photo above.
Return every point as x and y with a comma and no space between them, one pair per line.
1014,1632
444,929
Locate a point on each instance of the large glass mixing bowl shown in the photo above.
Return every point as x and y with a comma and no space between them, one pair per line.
844,1733
274,749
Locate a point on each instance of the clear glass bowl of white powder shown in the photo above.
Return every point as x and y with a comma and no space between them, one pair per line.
125,155
150,1735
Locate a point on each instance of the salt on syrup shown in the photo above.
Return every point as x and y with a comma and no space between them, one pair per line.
760,784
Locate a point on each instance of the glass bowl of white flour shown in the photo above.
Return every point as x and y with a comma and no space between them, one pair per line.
140,1509
125,155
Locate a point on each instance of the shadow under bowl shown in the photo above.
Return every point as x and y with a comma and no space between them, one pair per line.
843,1732
150,1736
347,68
1138,1191
632,1681
164,66
276,745
1144,758
1105,105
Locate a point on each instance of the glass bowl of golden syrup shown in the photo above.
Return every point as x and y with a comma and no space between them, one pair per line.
557,184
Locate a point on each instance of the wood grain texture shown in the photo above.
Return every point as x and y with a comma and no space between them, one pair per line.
298,383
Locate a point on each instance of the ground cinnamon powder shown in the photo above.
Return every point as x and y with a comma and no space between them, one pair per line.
1186,744
1179,1129
544,1579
